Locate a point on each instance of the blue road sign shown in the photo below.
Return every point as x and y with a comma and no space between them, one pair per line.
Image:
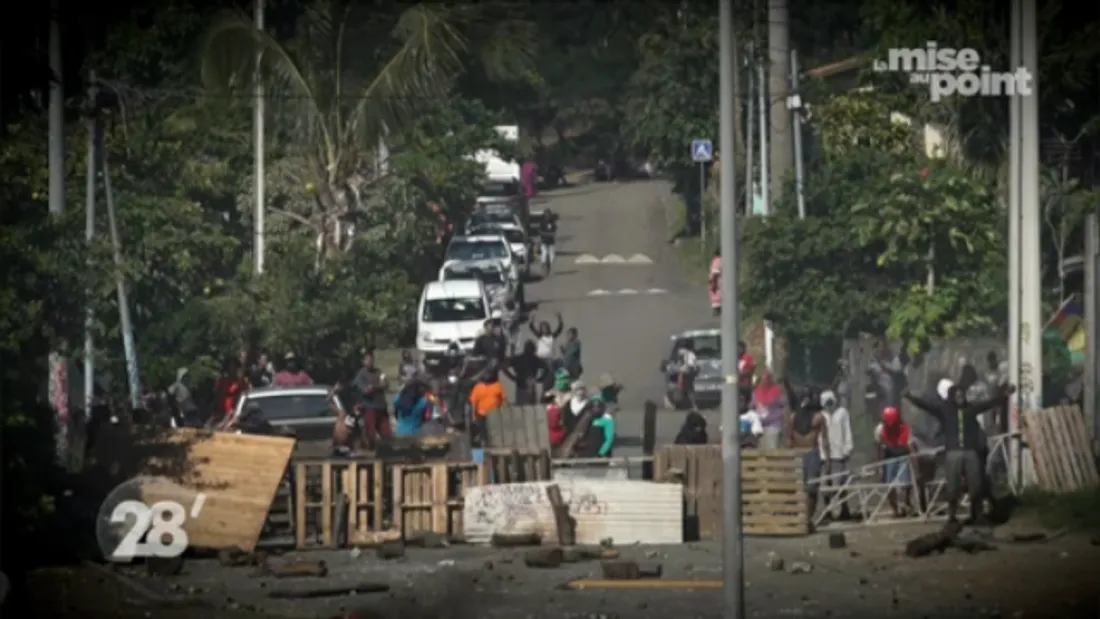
701,151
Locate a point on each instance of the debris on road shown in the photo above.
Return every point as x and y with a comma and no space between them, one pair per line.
235,557
293,568
576,554
390,550
427,539
625,569
565,524
775,562
544,557
512,540
837,541
935,542
322,592
800,567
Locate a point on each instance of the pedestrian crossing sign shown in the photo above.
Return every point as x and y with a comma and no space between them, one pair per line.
701,151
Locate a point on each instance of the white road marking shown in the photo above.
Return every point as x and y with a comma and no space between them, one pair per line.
639,259
613,259
656,291
599,292
628,291
587,259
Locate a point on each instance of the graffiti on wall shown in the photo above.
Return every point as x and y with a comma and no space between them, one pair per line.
517,508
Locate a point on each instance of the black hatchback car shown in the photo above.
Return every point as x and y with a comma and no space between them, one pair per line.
707,344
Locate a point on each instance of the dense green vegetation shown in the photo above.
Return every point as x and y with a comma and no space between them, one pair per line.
895,242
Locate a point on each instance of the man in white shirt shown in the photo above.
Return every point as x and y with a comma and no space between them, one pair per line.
839,449
688,366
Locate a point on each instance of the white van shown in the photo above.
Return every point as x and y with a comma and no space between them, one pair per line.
450,311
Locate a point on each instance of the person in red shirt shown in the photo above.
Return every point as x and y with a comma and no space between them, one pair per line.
553,419
292,374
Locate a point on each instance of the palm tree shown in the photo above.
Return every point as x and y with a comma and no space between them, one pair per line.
351,76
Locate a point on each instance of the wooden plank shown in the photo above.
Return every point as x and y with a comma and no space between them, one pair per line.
300,477
1051,447
238,474
1038,443
1082,447
1042,471
327,498
1063,447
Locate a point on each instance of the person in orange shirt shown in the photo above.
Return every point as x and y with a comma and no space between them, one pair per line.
486,396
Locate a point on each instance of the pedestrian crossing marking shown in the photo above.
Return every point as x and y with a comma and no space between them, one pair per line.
639,259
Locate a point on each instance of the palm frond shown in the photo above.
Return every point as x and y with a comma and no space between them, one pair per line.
230,50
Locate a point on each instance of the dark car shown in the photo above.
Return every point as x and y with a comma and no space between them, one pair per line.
301,411
708,382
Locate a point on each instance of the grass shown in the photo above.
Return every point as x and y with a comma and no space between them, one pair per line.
1076,511
690,253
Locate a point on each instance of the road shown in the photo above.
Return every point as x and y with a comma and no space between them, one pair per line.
624,310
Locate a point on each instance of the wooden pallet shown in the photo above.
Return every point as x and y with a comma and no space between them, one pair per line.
773,500
772,495
340,498
511,466
429,497
1060,448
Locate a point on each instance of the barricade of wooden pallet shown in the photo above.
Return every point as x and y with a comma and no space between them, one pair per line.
1061,449
773,497
358,501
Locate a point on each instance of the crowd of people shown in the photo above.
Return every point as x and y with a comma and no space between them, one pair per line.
817,422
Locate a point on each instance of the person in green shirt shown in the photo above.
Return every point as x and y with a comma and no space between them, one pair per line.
606,423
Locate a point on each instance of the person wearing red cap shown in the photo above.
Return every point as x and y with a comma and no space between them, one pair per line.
895,447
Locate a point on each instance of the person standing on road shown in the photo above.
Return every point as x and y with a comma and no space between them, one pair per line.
292,374
486,397
961,432
525,370
767,400
571,353
713,281
370,382
895,449
409,408
548,232
840,446
808,431
544,345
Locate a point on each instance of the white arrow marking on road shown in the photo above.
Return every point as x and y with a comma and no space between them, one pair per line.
587,259
613,259
639,259
656,291
599,292
628,291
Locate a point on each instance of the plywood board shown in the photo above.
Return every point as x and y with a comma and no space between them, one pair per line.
238,474
626,511
519,427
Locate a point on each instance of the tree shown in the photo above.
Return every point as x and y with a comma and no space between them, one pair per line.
332,117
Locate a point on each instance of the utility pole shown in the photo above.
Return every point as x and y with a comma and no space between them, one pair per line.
58,379
794,103
128,345
258,152
762,99
750,136
89,235
1092,333
782,148
1016,60
1024,137
733,560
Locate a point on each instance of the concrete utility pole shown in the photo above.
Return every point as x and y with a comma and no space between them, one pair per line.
89,235
794,103
1092,333
733,560
1025,138
1016,61
750,124
58,379
258,153
779,80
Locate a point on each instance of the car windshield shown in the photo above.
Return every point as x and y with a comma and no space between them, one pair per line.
282,407
499,190
486,275
476,250
513,236
454,310
706,346
490,217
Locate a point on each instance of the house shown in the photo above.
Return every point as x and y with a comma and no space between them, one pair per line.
844,75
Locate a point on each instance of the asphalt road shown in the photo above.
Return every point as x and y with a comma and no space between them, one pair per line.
625,311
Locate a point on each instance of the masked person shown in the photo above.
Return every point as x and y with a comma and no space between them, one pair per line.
553,420
605,423
961,433
808,431
576,406
525,370
370,383
895,448
839,426
292,374
693,431
263,371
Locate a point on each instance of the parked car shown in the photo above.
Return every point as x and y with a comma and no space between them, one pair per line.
707,344
517,239
499,286
489,246
492,215
450,311
303,411
509,194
